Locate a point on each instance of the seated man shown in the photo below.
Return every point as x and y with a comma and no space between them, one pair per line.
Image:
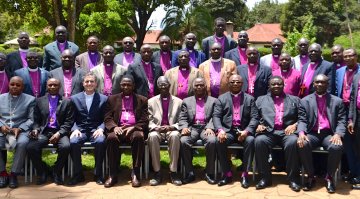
89,109
126,120
235,120
164,110
279,115
196,122
16,120
53,119
321,123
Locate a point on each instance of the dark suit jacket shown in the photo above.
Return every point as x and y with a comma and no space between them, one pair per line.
325,68
200,58
141,81
188,110
52,54
13,62
64,115
233,54
118,59
223,113
24,74
334,109
156,57
89,121
266,107
113,109
209,41
76,82
353,100
263,76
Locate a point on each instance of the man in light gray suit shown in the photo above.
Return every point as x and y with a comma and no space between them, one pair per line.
92,57
69,76
128,56
164,110
16,120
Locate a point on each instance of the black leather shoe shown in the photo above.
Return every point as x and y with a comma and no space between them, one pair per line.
111,181
348,177
76,179
209,179
244,182
330,186
224,181
294,186
58,179
356,186
354,180
156,180
42,178
262,184
99,180
175,180
13,182
4,181
309,184
189,178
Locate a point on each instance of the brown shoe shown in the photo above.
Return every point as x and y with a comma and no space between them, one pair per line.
111,181
135,182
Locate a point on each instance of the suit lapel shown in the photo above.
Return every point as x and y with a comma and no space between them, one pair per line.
45,105
341,79
192,76
226,44
158,104
259,72
95,101
58,108
28,79
241,103
171,104
73,79
112,74
313,103
286,107
193,109
18,58
83,101
207,73
328,109
56,49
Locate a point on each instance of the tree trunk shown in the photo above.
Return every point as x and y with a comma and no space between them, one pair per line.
71,19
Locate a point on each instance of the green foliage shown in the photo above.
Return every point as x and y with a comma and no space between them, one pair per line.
345,41
266,11
326,54
264,51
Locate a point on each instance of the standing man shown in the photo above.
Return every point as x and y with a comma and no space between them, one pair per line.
89,113
227,43
316,66
181,77
128,56
70,77
238,55
164,110
196,57
337,56
108,73
290,76
145,73
4,75
272,60
164,56
92,57
255,76
54,50
53,119
303,57
321,123
17,59
217,71
16,120
34,77
196,122
278,112
235,120
126,120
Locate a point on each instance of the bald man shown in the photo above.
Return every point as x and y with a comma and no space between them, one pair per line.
164,56
337,57
272,60
92,57
196,57
238,55
303,57
145,73
129,56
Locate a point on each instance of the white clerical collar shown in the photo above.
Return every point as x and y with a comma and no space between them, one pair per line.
251,64
284,71
107,65
277,96
23,50
350,69
219,37
164,52
236,95
312,62
216,60
190,51
303,56
338,64
66,70
33,69
92,53
87,95
127,96
128,53
147,63
14,96
199,98
61,43
2,71
165,98
243,49
320,96
184,69
53,96
276,55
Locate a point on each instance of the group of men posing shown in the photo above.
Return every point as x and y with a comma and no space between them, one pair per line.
226,94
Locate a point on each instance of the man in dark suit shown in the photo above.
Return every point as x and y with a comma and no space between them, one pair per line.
145,73
316,66
278,115
255,76
196,57
235,120
70,77
17,59
34,77
195,121
53,119
163,57
54,50
4,75
92,57
89,126
227,43
321,123
128,56
238,55
126,120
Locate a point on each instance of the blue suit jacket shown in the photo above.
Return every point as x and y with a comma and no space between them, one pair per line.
24,74
339,80
88,121
200,57
52,54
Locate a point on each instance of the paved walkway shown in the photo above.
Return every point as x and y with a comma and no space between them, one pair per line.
199,189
